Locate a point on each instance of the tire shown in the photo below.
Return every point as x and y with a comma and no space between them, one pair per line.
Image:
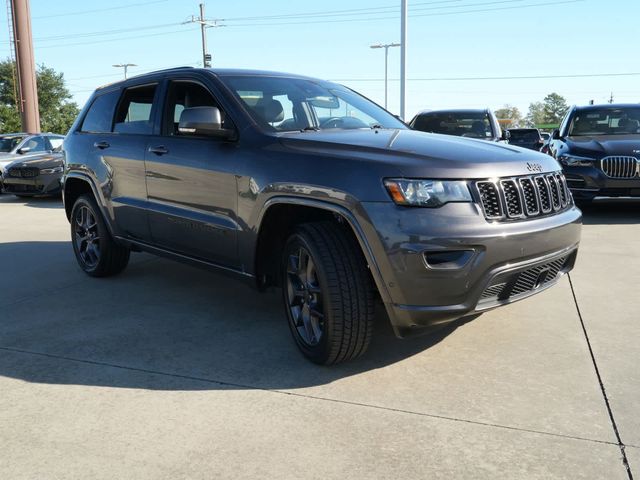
96,251
329,304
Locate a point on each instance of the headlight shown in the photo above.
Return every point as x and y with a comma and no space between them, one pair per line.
47,171
427,193
575,161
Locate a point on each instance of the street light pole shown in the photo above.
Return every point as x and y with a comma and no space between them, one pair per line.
403,57
125,66
386,47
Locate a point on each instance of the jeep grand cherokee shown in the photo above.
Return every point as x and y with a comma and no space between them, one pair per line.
289,181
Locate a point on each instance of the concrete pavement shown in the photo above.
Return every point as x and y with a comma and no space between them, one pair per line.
172,372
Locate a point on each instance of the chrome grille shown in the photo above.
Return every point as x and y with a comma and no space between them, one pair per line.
620,167
523,197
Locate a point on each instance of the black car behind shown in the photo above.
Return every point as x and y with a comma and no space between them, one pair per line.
526,137
36,175
599,149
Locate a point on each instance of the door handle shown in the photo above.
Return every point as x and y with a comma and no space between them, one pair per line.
159,150
101,145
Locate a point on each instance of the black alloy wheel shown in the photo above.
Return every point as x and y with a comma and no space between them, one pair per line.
98,254
304,297
86,237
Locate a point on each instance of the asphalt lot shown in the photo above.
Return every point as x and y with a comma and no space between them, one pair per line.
169,372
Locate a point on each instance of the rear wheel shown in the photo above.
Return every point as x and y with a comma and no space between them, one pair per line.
96,251
328,293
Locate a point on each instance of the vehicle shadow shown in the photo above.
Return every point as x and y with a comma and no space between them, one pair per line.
36,202
160,325
611,212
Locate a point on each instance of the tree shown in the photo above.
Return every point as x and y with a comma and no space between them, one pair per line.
551,110
57,111
509,116
535,116
555,108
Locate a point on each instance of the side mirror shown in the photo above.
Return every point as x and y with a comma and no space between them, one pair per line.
203,121
556,134
506,135
24,150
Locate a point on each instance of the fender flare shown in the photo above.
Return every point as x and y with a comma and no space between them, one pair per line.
97,194
351,221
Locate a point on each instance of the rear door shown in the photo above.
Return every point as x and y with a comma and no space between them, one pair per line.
116,154
191,183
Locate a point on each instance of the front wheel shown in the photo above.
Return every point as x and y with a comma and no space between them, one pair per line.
96,251
327,292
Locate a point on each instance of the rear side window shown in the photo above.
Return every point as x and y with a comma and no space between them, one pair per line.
99,118
134,112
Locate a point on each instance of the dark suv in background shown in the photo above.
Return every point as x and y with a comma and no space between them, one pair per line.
481,124
599,149
526,138
289,181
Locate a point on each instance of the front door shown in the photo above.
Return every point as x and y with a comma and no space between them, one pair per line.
191,185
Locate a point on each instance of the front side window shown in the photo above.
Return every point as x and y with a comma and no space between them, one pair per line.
291,104
183,94
134,111
606,121
7,144
99,118
462,124
35,144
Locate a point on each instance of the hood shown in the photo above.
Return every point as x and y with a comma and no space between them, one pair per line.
600,146
422,154
42,160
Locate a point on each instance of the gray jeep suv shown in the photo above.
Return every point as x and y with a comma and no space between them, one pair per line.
288,181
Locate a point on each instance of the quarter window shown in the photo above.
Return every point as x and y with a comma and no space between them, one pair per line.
134,112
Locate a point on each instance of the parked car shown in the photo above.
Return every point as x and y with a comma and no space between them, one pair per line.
14,146
34,175
481,124
293,182
599,149
526,137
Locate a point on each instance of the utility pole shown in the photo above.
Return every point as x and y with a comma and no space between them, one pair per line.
403,57
125,66
386,47
204,24
26,66
611,98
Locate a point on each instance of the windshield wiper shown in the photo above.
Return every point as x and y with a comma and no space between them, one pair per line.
376,126
310,129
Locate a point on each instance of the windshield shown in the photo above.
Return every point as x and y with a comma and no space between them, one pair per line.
606,121
9,143
462,124
291,104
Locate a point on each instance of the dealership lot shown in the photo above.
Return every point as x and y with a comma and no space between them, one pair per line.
172,372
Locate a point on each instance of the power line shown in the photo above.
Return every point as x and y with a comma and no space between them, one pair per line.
414,15
519,77
118,39
97,10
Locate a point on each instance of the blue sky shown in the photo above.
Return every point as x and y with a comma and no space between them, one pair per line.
447,39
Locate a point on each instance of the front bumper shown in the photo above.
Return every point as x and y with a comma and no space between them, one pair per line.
40,185
439,265
587,183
